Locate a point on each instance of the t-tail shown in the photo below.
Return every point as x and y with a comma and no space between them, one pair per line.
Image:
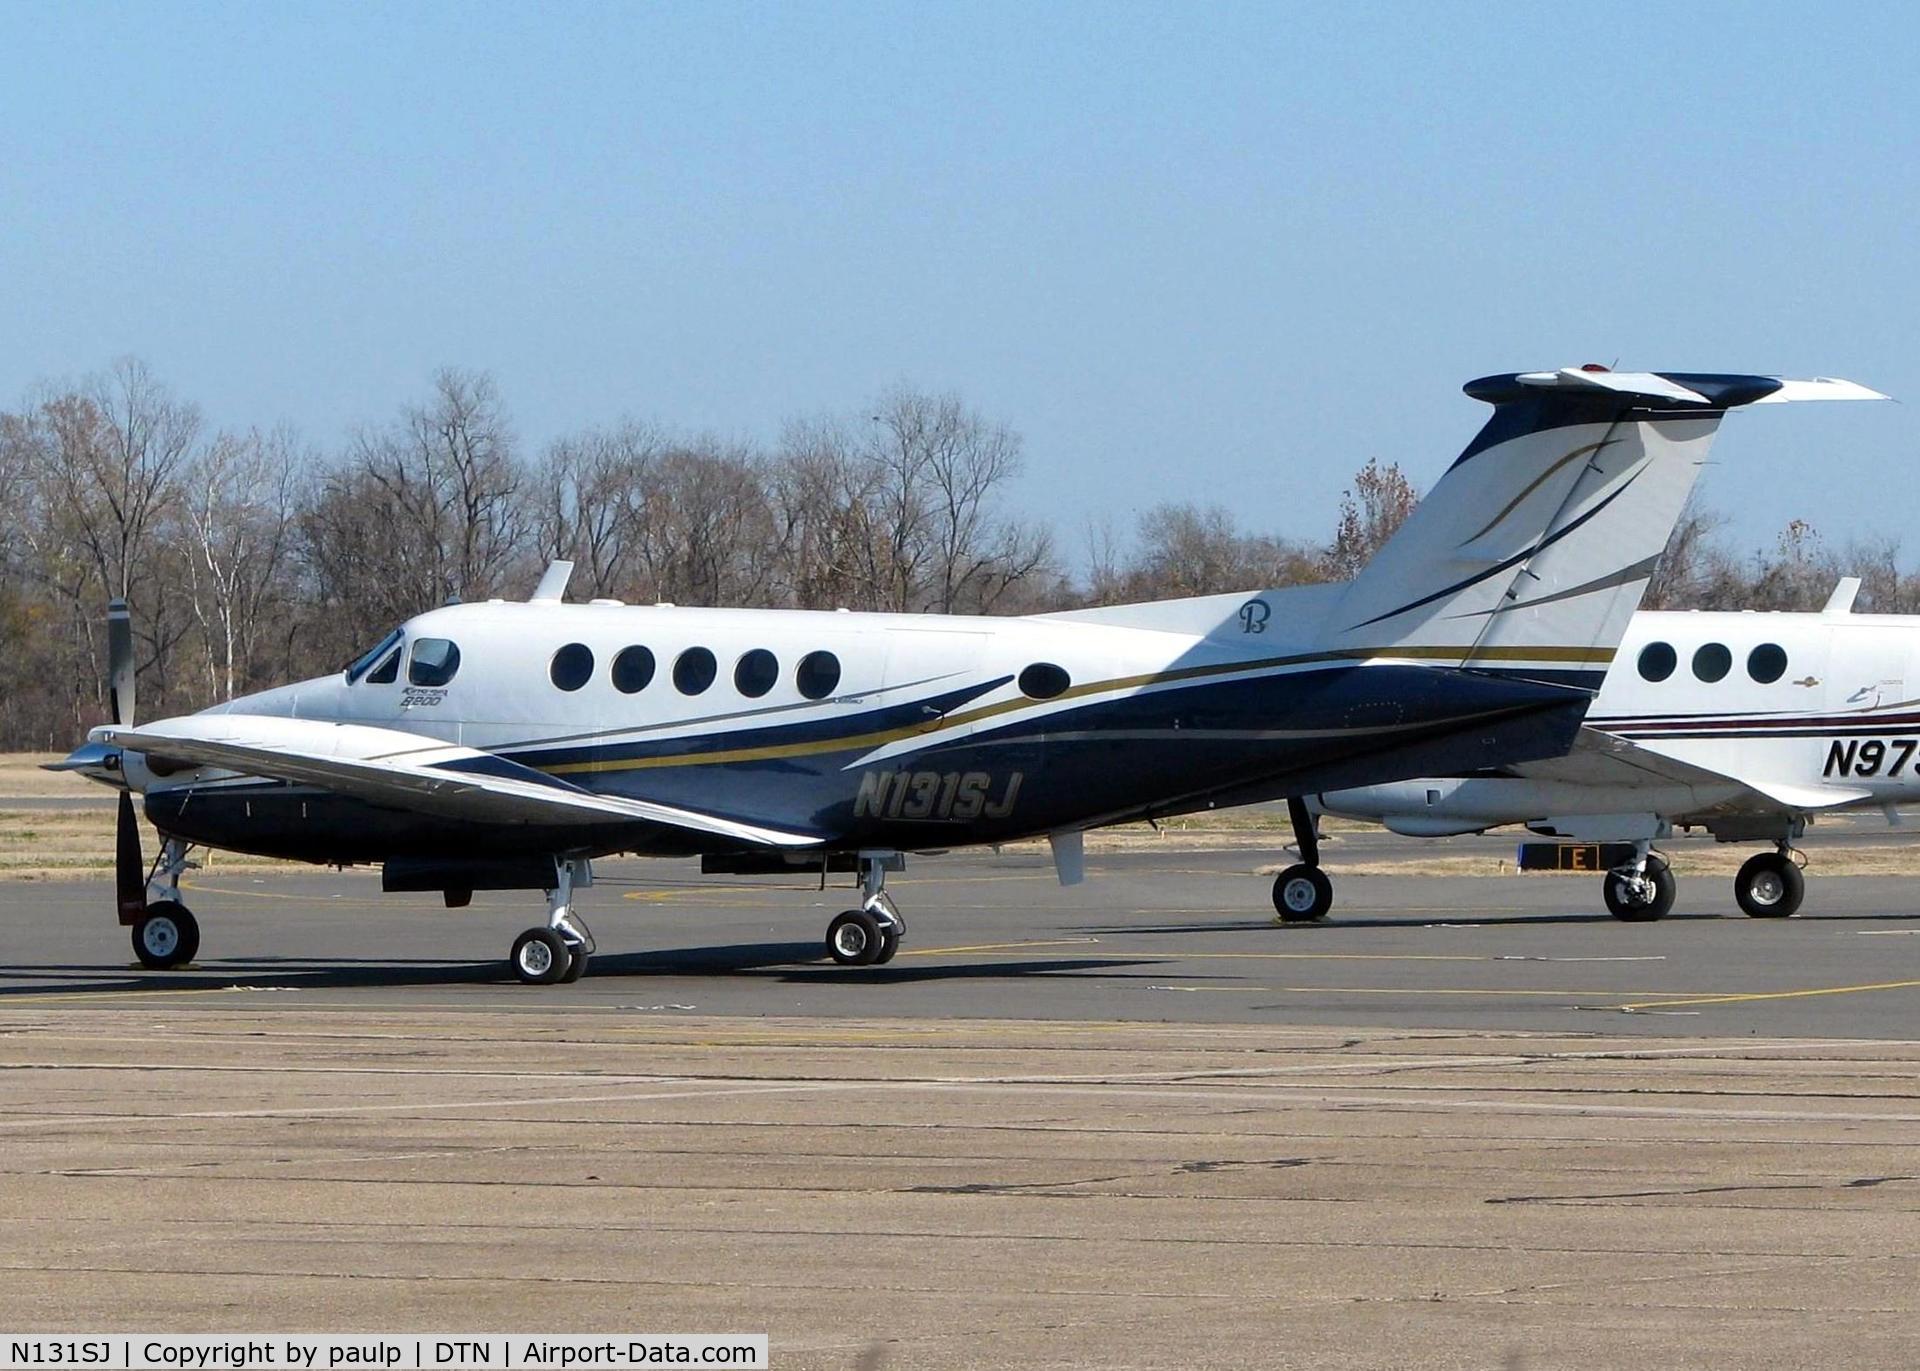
1532,552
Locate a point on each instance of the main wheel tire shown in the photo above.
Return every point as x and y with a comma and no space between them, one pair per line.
576,966
167,937
1302,894
1769,886
854,938
889,945
1630,906
540,957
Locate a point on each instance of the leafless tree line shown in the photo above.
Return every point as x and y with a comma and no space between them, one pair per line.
251,559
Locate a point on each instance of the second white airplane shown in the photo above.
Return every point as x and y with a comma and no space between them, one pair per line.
1745,725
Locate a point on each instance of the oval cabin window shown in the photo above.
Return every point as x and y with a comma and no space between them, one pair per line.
694,670
818,675
571,667
1657,661
1044,680
632,669
1767,663
755,673
1712,662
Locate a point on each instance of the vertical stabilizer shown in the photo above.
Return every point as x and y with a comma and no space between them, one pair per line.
1532,552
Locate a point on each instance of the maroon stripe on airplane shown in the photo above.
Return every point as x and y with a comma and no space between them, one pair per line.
1707,724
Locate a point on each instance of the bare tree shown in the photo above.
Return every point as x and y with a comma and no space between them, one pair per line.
1798,576
446,475
117,454
904,512
104,460
1371,511
1186,549
707,532
239,506
823,494
590,501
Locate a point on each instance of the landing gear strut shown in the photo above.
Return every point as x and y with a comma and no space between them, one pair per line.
1770,885
557,953
165,933
871,934
1302,894
1643,889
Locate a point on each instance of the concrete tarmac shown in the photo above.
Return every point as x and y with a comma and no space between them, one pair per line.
1470,1122
1183,936
964,1194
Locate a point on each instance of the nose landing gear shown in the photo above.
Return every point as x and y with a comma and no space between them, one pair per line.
165,933
557,953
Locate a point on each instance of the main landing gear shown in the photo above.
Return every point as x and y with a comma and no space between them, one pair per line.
1643,889
557,953
871,934
165,933
1302,894
1770,885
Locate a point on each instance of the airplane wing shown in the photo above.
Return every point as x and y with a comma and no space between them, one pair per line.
1602,759
406,771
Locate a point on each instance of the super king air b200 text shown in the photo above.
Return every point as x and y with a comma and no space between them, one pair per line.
506,745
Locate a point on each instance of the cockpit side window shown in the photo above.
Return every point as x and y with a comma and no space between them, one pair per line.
372,657
387,672
434,662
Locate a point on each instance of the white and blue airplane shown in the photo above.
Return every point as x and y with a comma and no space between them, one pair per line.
1745,725
507,745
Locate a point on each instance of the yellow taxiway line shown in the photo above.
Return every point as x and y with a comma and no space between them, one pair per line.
1774,995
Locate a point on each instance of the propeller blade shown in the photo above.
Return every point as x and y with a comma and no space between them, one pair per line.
120,662
129,867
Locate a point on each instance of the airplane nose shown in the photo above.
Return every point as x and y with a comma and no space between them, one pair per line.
95,761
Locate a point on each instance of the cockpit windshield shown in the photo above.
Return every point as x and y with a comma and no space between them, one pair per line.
364,663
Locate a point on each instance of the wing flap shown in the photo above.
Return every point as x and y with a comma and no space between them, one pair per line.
403,770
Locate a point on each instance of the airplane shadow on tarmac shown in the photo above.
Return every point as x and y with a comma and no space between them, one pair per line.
1363,921
1440,919
791,963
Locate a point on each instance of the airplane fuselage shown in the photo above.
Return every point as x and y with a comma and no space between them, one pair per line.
870,731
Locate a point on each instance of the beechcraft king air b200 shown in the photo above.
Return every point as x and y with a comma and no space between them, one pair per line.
506,745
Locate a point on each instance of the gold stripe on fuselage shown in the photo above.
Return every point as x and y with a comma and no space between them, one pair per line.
1535,484
1456,656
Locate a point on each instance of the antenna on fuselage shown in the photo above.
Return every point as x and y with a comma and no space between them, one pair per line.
1841,601
553,584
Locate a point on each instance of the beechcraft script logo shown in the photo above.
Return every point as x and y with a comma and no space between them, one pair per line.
1254,615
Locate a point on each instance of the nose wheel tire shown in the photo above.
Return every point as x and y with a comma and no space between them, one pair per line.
1302,894
1641,901
855,939
168,936
541,957
1769,886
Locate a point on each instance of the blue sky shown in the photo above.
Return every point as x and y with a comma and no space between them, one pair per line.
1222,253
